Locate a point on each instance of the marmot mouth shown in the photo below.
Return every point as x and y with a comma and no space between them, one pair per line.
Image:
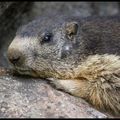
24,71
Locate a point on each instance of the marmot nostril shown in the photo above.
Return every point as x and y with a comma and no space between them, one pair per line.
14,60
14,56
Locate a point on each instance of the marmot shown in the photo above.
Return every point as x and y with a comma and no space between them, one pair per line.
82,54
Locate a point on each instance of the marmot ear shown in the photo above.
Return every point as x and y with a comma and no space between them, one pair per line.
71,28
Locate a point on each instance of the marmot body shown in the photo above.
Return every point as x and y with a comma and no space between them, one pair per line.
82,54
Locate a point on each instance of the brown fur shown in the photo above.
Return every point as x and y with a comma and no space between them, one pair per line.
98,81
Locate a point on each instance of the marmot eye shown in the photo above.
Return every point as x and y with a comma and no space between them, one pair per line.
47,37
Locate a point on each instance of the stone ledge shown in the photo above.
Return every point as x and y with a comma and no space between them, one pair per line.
35,98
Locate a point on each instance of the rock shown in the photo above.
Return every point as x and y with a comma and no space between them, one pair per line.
82,9
35,98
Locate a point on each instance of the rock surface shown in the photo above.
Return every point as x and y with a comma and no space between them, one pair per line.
35,98
83,9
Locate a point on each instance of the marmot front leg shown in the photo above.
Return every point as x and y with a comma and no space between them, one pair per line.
65,85
74,87
101,94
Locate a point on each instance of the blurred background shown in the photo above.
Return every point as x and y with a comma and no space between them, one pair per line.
15,14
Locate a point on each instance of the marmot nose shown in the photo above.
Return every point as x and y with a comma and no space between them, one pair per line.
14,57
14,60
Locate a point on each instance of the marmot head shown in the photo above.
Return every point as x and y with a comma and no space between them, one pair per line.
45,47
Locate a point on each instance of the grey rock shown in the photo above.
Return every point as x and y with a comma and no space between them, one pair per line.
36,98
